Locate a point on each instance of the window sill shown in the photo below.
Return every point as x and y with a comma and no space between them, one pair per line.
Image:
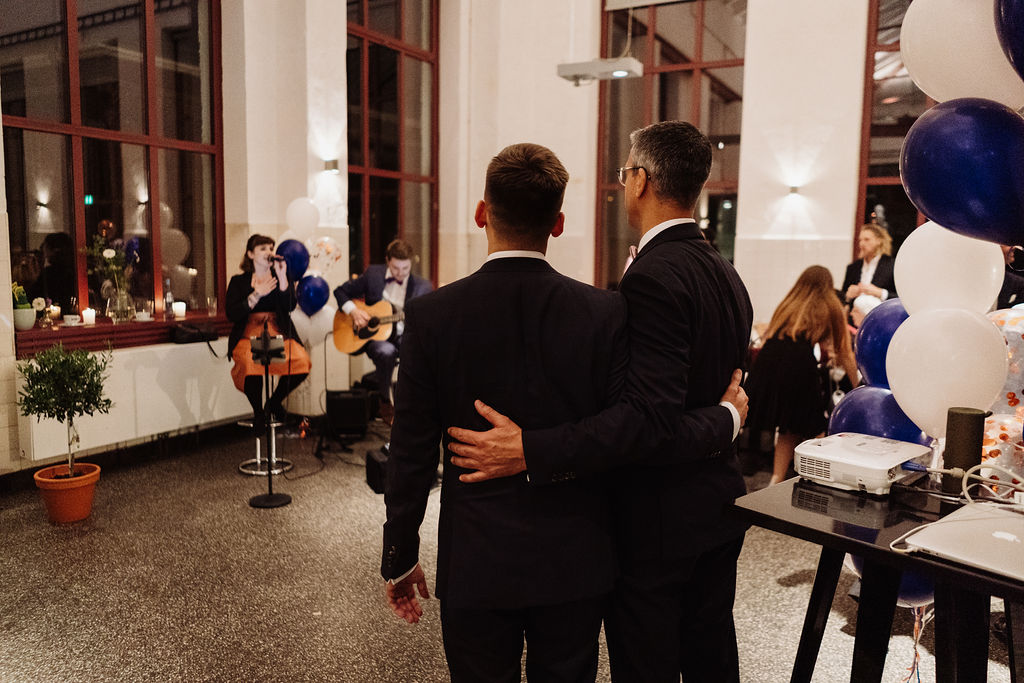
104,333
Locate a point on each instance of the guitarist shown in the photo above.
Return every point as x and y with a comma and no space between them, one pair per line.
392,282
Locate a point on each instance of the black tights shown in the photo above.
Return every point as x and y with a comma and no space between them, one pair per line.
253,389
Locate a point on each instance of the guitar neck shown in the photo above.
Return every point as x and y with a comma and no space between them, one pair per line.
387,319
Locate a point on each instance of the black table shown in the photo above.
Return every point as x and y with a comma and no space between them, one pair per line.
847,522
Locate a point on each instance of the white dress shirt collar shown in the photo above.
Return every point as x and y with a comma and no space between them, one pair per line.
659,228
516,253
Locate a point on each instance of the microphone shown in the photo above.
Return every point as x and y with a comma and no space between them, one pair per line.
276,258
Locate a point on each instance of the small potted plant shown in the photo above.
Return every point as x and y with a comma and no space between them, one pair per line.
63,385
24,314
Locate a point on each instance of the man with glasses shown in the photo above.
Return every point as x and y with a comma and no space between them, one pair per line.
669,438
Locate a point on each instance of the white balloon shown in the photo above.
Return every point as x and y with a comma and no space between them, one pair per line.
303,326
174,246
951,49
939,359
302,217
322,323
938,268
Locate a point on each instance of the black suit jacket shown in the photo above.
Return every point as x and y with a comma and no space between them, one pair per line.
883,276
541,348
370,287
689,326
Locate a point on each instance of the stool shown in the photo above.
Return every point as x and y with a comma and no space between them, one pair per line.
258,467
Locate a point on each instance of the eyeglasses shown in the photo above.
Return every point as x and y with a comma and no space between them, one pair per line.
621,173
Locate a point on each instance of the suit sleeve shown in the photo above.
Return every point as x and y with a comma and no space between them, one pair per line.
650,424
350,289
851,278
414,451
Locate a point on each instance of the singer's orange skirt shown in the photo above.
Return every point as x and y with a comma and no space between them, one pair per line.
296,359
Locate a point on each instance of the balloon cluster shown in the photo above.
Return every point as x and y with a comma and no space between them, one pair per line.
307,264
961,167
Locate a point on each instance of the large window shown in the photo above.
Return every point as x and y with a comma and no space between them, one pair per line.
892,103
692,54
392,129
110,112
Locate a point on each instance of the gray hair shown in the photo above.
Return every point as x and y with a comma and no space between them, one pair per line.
677,158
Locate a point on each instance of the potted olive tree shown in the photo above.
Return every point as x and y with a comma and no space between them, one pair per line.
63,385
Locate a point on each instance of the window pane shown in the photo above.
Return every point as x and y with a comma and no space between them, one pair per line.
617,25
416,210
111,65
896,104
719,223
672,97
890,20
722,109
416,131
353,66
383,108
889,206
677,34
39,212
117,209
33,59
725,30
183,70
355,224
416,22
355,11
383,216
187,231
615,239
384,16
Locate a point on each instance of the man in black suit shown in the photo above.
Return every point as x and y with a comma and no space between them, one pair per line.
394,282
670,436
514,561
872,272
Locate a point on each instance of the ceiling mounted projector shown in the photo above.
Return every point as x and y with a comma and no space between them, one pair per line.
601,69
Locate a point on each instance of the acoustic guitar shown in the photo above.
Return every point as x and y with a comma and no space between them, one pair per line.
348,339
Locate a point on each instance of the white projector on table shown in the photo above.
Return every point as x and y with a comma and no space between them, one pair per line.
858,462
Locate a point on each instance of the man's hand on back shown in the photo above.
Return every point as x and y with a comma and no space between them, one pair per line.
498,452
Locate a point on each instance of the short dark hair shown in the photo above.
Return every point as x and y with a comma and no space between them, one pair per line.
254,241
524,190
677,158
399,249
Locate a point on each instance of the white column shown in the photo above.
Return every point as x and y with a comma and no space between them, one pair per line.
802,112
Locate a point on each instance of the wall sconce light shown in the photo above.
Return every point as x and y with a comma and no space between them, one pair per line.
41,205
794,189
331,166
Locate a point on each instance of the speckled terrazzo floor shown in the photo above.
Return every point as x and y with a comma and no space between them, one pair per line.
175,578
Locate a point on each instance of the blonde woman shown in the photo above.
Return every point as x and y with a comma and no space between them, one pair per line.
785,384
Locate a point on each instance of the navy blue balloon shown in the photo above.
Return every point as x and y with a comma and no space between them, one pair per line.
961,167
1010,27
296,256
916,590
873,339
874,411
312,293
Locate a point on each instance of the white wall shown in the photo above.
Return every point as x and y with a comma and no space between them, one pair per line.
802,109
498,86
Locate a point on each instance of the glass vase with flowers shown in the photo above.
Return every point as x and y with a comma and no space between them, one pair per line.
114,264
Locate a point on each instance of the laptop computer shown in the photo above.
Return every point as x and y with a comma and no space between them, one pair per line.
987,537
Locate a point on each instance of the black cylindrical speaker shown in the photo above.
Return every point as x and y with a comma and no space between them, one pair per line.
964,430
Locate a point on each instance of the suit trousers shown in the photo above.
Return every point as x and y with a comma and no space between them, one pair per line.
384,355
676,619
487,644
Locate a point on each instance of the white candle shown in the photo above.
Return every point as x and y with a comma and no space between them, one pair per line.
89,316
179,309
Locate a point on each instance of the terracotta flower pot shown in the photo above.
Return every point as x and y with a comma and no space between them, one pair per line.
68,499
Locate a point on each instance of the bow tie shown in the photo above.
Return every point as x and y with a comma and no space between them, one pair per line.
389,280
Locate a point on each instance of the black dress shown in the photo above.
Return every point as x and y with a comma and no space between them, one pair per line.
785,389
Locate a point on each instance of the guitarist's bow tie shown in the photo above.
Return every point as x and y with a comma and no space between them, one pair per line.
389,280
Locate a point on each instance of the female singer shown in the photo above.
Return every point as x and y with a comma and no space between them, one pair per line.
260,295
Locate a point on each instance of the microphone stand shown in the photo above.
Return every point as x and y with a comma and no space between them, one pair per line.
262,353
